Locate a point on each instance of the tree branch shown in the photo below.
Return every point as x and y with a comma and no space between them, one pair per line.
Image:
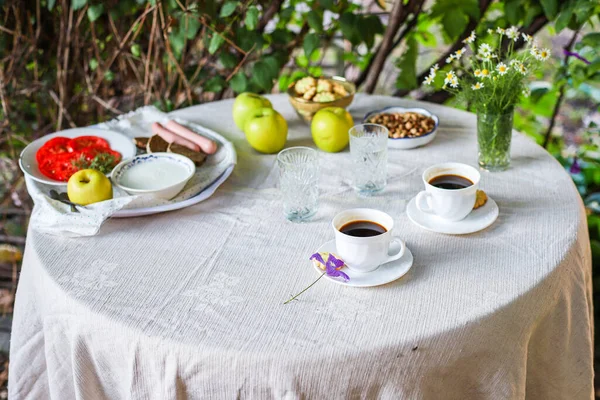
268,14
441,61
397,17
561,91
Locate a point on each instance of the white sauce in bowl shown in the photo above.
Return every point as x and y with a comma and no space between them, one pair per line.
154,175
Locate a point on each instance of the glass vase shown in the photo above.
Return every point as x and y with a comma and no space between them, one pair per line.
494,132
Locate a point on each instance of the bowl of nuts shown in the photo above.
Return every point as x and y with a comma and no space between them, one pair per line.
408,127
308,95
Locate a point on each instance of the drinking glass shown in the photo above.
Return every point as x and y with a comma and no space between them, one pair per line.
298,182
368,150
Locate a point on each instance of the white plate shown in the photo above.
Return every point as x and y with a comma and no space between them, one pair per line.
476,221
386,273
408,142
29,164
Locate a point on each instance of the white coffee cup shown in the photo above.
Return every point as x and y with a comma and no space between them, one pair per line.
449,204
365,254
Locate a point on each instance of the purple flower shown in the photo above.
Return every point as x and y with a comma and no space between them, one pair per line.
575,167
576,55
332,266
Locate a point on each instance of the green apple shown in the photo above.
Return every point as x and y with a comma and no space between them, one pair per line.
245,104
266,130
89,186
330,128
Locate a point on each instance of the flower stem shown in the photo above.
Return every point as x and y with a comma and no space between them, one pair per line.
308,287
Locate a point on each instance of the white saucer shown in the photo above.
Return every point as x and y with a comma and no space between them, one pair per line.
476,221
386,273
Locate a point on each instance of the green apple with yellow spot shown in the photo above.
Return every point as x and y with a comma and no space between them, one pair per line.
329,128
89,186
245,104
266,130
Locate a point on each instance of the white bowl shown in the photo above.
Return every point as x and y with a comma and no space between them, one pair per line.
407,142
29,165
164,184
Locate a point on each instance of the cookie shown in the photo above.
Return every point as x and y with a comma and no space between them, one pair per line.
480,200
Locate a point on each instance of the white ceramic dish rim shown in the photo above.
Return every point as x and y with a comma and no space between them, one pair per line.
122,164
390,109
68,133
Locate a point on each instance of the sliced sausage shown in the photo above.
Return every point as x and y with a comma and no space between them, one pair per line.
207,145
172,137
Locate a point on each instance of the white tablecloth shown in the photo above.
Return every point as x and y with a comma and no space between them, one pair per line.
188,304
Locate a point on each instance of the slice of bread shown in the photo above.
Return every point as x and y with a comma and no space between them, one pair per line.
156,144
141,142
198,157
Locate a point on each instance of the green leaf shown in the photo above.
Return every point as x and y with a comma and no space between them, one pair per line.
228,60
93,64
215,42
328,4
94,12
315,21
51,4
228,9
273,65
512,10
407,65
371,26
214,84
193,25
286,13
77,4
563,19
592,40
550,8
136,50
454,22
261,75
530,13
251,18
239,82
348,26
311,42
109,76
282,36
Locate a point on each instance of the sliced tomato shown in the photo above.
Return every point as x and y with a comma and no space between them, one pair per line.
83,142
59,166
57,145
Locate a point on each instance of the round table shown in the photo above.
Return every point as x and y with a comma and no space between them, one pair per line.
189,304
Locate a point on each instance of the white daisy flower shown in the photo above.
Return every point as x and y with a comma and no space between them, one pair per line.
477,73
484,48
434,68
485,73
490,31
512,63
501,68
454,83
526,37
500,31
459,53
522,69
477,86
487,57
513,33
450,76
429,80
526,92
543,54
534,51
569,152
470,38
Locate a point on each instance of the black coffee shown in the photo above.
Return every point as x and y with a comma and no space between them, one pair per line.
362,229
451,182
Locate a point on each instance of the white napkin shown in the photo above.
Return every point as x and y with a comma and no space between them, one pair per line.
53,217
56,218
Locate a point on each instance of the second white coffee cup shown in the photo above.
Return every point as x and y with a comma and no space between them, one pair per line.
449,204
365,254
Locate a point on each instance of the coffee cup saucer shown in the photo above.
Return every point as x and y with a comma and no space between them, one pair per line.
476,221
386,273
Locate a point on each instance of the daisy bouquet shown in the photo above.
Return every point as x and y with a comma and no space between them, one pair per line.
492,78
